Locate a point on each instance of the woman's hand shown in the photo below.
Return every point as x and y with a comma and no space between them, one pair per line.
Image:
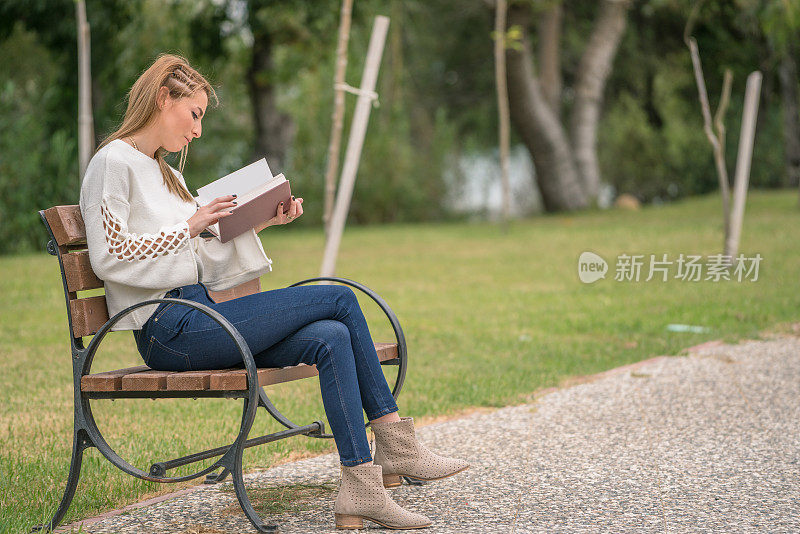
295,211
210,214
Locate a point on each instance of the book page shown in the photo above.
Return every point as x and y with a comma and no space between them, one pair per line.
263,188
238,183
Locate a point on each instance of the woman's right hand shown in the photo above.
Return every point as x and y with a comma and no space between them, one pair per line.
210,214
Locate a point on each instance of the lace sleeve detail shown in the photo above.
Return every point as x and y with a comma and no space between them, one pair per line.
128,246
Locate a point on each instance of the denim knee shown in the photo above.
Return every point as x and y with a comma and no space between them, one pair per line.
332,336
345,293
337,336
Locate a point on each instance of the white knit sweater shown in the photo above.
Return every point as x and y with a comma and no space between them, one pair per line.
138,236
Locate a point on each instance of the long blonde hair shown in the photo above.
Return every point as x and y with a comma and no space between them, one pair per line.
174,73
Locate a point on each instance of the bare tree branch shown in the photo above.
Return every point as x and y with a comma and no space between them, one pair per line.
687,31
719,150
338,112
719,116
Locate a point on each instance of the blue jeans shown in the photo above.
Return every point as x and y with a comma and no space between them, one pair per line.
313,324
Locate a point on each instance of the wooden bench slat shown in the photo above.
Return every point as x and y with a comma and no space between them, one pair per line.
386,351
146,381
110,380
286,374
237,380
88,315
228,380
189,381
247,288
142,378
66,223
79,273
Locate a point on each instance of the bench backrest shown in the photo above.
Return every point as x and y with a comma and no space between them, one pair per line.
87,314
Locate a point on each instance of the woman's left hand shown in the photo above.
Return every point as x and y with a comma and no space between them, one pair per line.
295,211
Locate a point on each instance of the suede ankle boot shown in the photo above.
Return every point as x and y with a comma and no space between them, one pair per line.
362,496
399,453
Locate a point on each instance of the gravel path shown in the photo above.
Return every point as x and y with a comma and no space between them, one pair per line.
708,442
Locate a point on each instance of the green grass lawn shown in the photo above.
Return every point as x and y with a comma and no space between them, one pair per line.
490,318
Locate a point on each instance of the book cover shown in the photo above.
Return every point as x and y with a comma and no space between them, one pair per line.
258,196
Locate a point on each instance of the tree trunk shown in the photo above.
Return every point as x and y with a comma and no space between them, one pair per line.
787,72
502,105
394,87
549,53
539,127
337,118
274,130
593,71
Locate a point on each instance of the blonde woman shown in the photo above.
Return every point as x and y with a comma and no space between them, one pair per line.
142,228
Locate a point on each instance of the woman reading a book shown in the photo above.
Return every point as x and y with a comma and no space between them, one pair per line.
143,233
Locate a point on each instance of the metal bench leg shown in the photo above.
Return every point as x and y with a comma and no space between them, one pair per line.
80,443
216,478
244,501
232,463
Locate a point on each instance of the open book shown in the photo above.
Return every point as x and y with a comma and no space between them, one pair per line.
258,195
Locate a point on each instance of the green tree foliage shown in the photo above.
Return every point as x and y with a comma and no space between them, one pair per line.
651,142
35,153
436,86
38,107
401,173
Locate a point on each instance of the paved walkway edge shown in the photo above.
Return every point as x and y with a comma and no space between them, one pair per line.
135,506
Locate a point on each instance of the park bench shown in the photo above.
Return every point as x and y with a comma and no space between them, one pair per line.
88,316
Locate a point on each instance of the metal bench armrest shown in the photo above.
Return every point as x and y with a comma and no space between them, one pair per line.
402,348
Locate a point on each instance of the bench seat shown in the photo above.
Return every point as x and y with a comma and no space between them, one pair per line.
142,378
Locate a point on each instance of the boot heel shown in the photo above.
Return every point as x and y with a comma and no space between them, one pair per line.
391,481
344,521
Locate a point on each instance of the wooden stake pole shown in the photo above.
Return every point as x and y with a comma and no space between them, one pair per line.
358,130
85,122
743,159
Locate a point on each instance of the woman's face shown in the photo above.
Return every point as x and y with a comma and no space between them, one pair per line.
180,119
